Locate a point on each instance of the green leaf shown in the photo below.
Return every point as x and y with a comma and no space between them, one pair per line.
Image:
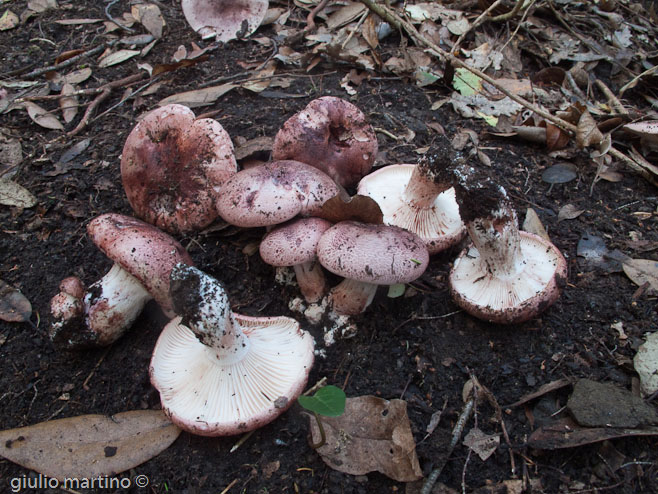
328,401
466,82
397,290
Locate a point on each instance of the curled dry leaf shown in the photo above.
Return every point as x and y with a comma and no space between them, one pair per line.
149,16
12,194
355,208
42,117
14,307
588,133
371,435
569,212
89,445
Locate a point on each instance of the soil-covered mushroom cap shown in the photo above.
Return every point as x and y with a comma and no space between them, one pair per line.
141,249
274,192
224,19
173,168
331,134
221,373
377,254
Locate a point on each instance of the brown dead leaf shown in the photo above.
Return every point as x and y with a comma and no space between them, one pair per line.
556,138
533,224
149,16
12,194
117,57
77,22
14,307
41,5
569,212
588,133
371,435
198,97
641,271
89,445
170,67
480,443
355,208
261,79
42,117
253,146
541,391
64,56
78,76
68,103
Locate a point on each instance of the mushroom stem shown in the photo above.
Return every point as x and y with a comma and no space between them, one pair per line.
498,241
311,280
351,297
422,190
204,306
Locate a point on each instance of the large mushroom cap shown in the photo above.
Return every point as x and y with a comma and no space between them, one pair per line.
331,134
226,373
274,192
377,254
141,249
293,243
174,166
435,220
224,19
516,297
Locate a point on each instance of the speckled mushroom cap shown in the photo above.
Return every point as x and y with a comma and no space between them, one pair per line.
173,168
435,220
377,254
293,243
331,134
221,373
141,249
224,19
274,192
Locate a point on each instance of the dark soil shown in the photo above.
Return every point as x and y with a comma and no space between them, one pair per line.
420,348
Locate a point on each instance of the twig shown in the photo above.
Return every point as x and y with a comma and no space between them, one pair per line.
633,81
112,19
508,15
481,18
65,63
241,441
310,18
456,434
612,99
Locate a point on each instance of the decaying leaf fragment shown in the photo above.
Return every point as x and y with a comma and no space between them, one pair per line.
89,445
12,194
372,435
642,271
646,364
14,307
482,444
42,117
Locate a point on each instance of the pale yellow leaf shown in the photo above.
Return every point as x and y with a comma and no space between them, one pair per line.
533,224
89,445
42,117
12,194
9,20
117,57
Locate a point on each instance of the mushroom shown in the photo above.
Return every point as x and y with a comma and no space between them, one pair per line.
295,244
506,276
419,198
273,193
174,166
221,373
366,256
143,258
224,19
331,134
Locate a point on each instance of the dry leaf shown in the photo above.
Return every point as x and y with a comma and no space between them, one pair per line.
9,20
646,364
254,146
569,212
198,97
41,5
12,194
89,445
642,271
481,443
261,79
68,103
345,15
533,224
149,16
14,307
11,152
588,133
372,435
355,208
117,57
78,76
77,22
42,117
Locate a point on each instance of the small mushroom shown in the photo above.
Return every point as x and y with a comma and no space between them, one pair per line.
224,19
506,276
419,198
295,244
331,134
173,168
273,193
220,373
366,256
143,258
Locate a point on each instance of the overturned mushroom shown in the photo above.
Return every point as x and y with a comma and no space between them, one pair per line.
224,19
143,258
274,192
367,256
331,134
419,198
173,168
506,276
221,373
295,244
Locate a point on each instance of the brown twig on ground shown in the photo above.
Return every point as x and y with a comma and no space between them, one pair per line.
310,18
612,99
105,92
65,63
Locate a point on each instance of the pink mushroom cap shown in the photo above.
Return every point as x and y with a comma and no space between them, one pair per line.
173,168
331,134
274,192
224,19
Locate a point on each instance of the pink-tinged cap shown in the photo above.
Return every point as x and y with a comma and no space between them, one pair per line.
293,243
173,168
274,192
141,249
224,19
377,254
331,134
